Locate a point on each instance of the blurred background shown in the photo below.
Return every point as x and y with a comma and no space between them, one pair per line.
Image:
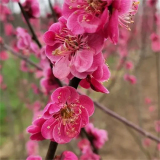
135,67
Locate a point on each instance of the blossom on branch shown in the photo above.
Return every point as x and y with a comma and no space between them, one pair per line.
66,114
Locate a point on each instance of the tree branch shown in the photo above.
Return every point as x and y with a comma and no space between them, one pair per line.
53,12
29,25
21,57
126,122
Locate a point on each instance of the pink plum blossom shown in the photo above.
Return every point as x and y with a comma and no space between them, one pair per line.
24,39
90,156
5,12
151,3
155,38
32,147
3,55
32,9
93,15
66,155
34,158
84,145
100,136
66,114
95,79
129,65
71,53
9,30
130,78
151,108
146,142
87,153
147,100
157,126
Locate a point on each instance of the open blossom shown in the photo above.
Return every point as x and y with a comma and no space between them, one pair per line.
66,155
24,39
95,79
34,158
100,136
130,78
32,9
93,15
66,114
71,53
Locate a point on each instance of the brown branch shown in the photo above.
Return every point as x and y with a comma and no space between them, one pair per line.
53,12
126,122
29,25
21,57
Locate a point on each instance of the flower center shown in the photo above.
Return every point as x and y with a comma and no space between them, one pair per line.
66,113
71,43
95,6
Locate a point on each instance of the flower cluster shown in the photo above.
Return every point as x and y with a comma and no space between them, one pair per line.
74,44
99,136
63,117
86,150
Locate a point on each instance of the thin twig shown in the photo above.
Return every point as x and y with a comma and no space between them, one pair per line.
126,122
29,25
21,57
53,12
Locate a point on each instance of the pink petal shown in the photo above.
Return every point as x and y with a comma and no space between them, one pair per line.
61,68
106,73
67,11
97,86
60,95
98,73
90,24
73,95
96,41
111,29
49,52
73,23
47,128
84,117
83,60
55,27
33,129
37,137
49,38
87,103
60,135
85,84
